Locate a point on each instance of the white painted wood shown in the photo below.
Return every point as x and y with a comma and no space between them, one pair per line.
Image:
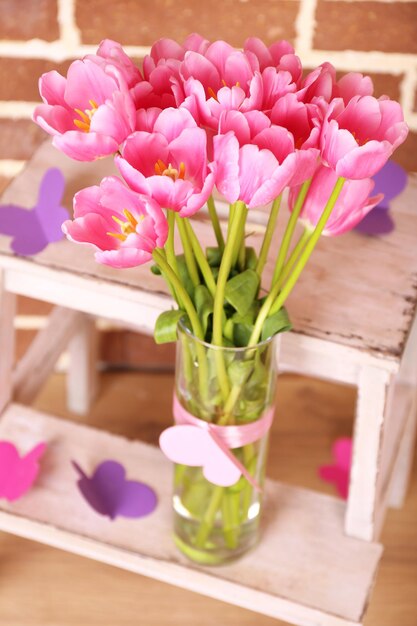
138,309
37,364
82,378
397,415
402,469
304,571
121,303
7,340
367,442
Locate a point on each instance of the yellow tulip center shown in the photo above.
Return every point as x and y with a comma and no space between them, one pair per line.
86,117
161,169
213,94
126,228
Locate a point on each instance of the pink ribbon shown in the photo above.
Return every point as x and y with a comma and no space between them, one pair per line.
229,437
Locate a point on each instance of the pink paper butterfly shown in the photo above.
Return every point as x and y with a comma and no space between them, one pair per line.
339,472
196,447
17,474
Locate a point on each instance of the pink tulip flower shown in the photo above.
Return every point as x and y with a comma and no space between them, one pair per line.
304,121
351,85
275,85
111,53
123,226
257,172
279,55
358,139
169,163
162,86
319,83
222,78
268,56
89,113
351,207
255,127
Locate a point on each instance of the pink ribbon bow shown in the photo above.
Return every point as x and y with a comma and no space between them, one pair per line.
197,443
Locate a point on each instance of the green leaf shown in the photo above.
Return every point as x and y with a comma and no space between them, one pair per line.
214,256
204,305
184,275
241,290
251,258
241,334
279,322
250,315
240,371
228,329
155,270
166,326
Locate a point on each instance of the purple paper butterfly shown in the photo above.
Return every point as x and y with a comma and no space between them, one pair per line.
391,180
109,493
32,230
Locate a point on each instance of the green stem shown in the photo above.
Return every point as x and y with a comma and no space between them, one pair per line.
294,256
240,239
186,300
170,252
208,520
193,317
216,224
201,258
223,276
274,301
188,252
286,240
241,261
263,255
232,209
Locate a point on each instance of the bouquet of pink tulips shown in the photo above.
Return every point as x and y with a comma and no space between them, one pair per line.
203,120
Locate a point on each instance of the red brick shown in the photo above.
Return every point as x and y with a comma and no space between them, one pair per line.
19,77
19,139
141,23
387,85
28,19
406,155
384,26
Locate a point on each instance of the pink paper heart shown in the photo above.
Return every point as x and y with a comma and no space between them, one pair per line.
17,474
195,447
339,472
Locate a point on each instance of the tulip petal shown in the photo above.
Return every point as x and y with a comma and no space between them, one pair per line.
123,257
172,122
226,156
85,146
364,161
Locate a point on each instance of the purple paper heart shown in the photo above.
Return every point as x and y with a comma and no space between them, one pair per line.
391,180
32,230
377,222
109,493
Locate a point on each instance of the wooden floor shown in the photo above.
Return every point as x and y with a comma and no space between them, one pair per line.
43,586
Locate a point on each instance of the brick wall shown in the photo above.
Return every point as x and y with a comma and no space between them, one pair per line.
377,37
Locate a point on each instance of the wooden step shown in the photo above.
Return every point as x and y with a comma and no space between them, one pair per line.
304,571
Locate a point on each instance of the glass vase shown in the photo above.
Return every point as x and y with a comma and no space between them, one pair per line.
228,387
